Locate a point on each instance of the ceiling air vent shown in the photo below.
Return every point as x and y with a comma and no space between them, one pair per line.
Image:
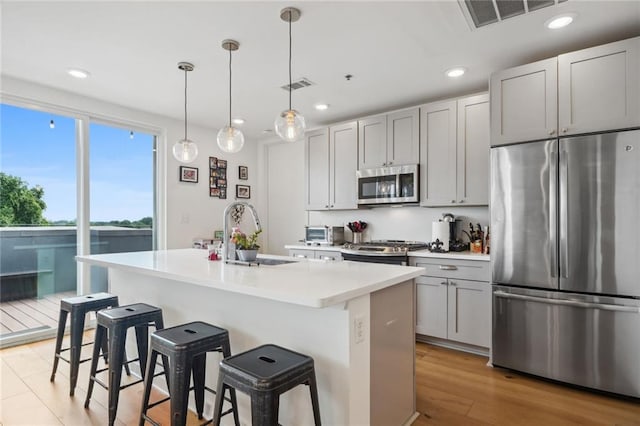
484,12
298,84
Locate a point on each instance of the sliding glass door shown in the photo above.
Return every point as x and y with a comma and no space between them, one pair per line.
69,185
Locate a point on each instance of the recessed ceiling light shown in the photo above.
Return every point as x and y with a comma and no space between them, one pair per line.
559,21
456,72
322,107
238,120
78,73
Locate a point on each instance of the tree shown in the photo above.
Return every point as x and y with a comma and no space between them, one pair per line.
19,204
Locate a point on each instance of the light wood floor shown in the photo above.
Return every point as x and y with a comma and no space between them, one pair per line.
454,388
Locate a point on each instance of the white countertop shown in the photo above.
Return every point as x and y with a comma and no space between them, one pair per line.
463,255
308,282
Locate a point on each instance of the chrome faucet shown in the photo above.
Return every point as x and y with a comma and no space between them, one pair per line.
228,255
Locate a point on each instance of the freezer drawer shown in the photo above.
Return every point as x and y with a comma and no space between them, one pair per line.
584,340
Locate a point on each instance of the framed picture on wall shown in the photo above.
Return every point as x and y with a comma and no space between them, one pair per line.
243,172
188,174
243,191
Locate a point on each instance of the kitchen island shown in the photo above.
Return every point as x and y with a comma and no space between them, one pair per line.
357,320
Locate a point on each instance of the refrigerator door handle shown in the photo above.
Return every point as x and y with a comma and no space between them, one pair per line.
563,207
553,209
564,302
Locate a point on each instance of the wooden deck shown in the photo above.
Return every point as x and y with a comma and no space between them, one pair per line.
21,316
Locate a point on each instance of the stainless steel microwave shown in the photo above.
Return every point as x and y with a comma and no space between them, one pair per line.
388,185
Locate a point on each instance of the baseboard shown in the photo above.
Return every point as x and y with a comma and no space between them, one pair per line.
450,344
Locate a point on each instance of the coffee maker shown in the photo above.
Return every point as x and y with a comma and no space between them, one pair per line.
454,243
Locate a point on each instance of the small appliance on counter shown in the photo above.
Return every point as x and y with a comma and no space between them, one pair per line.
323,235
444,235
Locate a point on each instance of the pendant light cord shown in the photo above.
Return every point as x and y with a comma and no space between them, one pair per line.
289,60
185,104
229,87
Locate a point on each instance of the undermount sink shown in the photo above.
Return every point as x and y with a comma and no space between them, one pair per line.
266,261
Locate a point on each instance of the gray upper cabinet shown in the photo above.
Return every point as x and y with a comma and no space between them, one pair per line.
372,144
390,139
473,150
343,151
454,152
403,139
317,169
524,104
599,88
331,157
438,153
591,90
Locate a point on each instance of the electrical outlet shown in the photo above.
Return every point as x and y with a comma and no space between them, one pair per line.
359,328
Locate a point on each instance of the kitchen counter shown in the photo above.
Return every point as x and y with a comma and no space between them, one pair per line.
312,283
343,314
463,255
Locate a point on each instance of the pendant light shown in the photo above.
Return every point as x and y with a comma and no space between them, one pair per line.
185,150
290,124
229,138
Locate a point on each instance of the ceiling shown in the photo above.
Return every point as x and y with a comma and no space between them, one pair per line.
396,51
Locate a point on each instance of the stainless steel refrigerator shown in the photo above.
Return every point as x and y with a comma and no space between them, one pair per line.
565,255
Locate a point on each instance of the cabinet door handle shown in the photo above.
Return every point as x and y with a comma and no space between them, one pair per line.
564,130
461,201
300,256
327,258
453,284
331,205
443,283
448,268
552,132
390,163
453,201
326,206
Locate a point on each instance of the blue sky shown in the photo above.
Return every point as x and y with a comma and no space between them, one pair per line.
121,168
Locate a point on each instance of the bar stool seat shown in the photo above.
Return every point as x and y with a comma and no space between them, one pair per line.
264,373
112,327
186,347
78,307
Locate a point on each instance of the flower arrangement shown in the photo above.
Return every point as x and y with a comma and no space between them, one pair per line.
243,242
357,227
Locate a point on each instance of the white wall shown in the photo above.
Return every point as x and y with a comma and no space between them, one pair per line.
187,209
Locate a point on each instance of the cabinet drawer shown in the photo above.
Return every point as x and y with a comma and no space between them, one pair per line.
461,269
306,254
328,255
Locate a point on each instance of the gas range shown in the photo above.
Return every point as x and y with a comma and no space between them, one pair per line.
383,248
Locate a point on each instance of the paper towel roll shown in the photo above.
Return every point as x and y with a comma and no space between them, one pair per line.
440,231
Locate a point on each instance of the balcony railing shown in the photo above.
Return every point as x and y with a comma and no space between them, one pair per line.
37,264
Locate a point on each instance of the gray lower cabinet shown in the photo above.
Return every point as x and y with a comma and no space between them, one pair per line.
453,300
315,254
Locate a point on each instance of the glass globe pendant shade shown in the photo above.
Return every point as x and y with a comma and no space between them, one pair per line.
230,139
185,151
290,125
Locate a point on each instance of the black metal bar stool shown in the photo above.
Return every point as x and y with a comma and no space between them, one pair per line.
186,348
78,307
264,373
115,322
